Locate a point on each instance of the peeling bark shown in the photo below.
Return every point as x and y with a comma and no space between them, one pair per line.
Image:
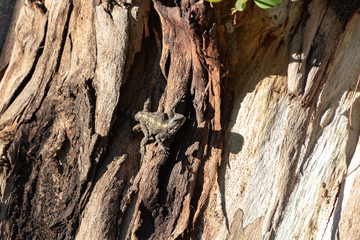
190,63
269,148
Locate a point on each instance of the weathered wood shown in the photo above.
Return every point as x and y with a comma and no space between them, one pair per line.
287,181
190,63
269,148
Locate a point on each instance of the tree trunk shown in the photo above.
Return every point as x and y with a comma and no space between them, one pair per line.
268,149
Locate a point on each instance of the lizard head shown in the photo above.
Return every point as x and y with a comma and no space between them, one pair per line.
175,123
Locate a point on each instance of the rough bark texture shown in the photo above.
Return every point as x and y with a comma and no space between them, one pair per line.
269,149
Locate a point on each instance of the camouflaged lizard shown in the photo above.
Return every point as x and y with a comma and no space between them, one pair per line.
158,124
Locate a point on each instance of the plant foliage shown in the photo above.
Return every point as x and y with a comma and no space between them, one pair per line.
240,5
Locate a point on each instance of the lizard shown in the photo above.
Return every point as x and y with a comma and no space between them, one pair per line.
158,124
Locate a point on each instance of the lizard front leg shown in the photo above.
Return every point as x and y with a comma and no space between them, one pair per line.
158,138
144,140
137,128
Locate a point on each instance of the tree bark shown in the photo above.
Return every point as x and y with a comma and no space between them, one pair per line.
268,149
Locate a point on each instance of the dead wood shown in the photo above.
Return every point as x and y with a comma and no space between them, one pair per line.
264,101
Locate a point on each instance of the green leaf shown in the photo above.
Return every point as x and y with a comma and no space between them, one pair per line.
267,3
240,5
233,10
